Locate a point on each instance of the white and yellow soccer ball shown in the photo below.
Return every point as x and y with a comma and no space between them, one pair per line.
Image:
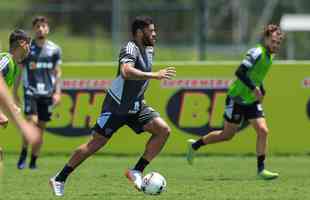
153,183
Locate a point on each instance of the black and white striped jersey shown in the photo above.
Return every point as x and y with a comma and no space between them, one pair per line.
38,76
126,96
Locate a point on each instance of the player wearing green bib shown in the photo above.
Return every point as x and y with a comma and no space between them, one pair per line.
9,71
255,68
8,63
9,67
244,99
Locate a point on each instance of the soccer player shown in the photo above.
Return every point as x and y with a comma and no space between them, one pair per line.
125,105
41,81
9,70
244,100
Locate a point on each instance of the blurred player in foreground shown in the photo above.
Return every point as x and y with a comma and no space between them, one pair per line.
9,70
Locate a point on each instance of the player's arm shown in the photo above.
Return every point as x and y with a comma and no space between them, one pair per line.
15,89
128,57
129,72
57,94
241,74
29,131
262,88
252,56
57,73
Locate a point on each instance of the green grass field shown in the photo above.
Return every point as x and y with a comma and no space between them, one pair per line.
213,177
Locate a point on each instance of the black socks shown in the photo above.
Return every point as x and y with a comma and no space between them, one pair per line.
197,144
33,161
22,158
260,163
23,154
141,164
63,175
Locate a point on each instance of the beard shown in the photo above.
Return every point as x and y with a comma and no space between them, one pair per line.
148,41
41,37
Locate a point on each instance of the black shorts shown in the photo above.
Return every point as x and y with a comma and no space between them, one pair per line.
108,123
41,106
236,113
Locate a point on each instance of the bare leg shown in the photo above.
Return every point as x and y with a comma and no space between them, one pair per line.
260,126
261,129
223,135
160,132
80,154
213,137
87,149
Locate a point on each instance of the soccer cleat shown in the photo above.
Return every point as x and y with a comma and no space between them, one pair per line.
21,162
135,177
190,151
267,175
57,187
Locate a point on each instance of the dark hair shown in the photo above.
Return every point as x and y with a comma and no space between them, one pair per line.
16,36
140,22
270,29
38,19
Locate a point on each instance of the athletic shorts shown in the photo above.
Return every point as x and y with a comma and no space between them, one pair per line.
41,106
108,123
236,113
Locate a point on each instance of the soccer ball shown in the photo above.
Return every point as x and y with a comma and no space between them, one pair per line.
153,183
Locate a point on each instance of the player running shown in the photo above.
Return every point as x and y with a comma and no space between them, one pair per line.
244,100
9,70
125,105
41,81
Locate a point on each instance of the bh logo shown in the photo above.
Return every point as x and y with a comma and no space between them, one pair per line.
79,108
198,111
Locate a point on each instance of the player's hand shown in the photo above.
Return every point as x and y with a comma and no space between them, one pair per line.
3,120
167,73
17,100
56,98
16,108
258,93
